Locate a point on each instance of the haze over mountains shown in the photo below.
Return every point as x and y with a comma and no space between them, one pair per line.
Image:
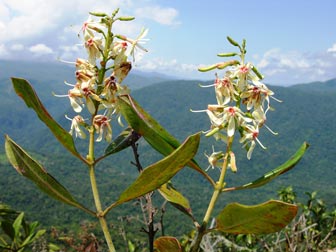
306,114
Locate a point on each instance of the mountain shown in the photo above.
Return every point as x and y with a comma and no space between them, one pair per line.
56,73
317,86
304,115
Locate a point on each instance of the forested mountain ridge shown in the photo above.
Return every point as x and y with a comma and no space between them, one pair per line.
318,86
304,115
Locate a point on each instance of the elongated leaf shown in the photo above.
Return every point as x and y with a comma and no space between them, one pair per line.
269,176
167,244
146,126
123,141
265,218
17,224
175,198
28,94
32,237
161,172
157,136
32,170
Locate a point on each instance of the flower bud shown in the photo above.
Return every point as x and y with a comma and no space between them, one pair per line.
232,41
255,70
98,14
126,18
216,107
244,45
226,64
231,54
208,68
233,162
115,12
212,132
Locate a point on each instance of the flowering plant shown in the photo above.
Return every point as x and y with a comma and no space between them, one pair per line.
242,104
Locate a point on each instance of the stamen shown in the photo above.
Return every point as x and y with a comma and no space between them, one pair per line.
206,86
66,116
275,99
198,111
262,146
69,84
274,133
56,95
65,61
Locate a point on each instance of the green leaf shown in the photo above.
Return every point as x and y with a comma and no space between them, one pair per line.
157,136
17,224
53,247
32,237
269,176
175,198
28,94
161,172
146,126
131,246
265,218
123,141
32,170
167,244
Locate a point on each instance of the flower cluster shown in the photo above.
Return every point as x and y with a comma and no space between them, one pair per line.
99,77
242,103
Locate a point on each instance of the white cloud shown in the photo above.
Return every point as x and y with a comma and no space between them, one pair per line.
171,67
70,53
40,49
22,20
17,47
332,49
26,19
293,67
165,16
57,22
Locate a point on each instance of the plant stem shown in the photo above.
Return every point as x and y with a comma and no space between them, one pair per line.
217,191
95,193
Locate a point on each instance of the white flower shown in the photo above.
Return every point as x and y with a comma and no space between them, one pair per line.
214,158
94,47
250,135
76,122
90,26
135,43
102,127
225,90
242,73
233,115
75,97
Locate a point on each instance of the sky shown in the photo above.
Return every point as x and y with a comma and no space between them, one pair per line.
290,41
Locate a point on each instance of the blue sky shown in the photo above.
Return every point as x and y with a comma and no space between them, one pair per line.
291,41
